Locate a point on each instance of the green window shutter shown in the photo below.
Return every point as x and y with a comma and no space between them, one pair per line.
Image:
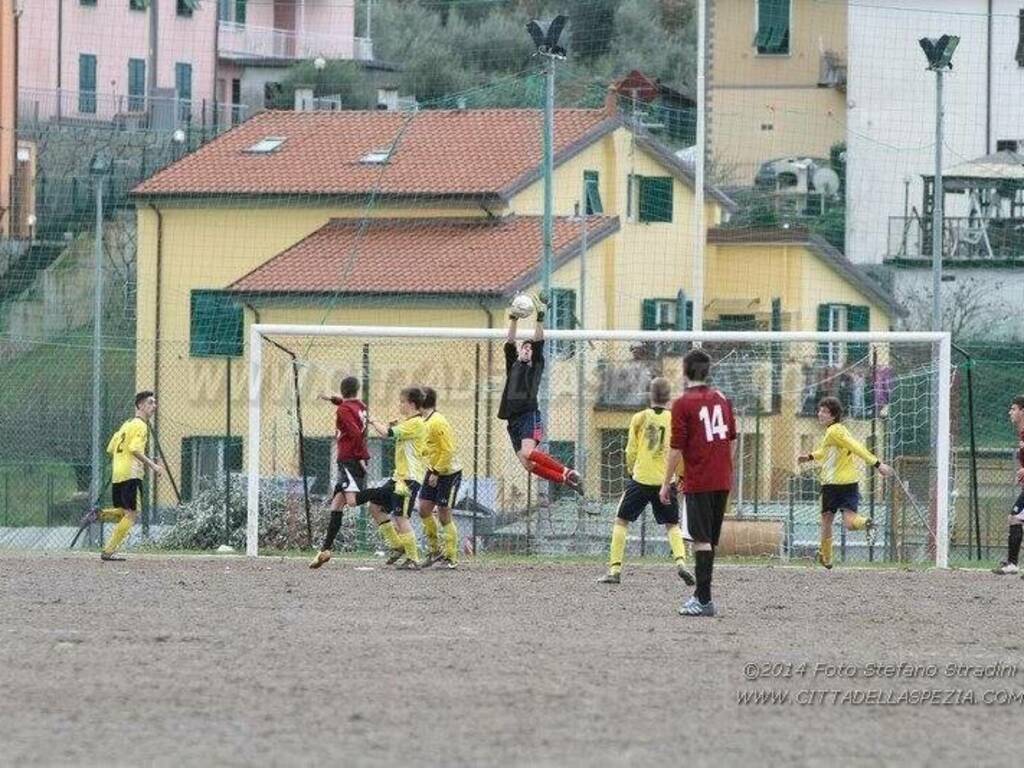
772,26
187,448
858,318
240,11
591,183
649,315
823,315
183,81
87,83
563,317
136,84
186,7
215,325
655,199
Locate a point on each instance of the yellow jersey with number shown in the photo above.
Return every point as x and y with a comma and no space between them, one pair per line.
410,440
647,448
129,439
440,450
835,455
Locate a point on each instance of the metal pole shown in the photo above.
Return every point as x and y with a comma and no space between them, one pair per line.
227,447
581,372
938,223
97,339
757,458
974,454
874,444
698,185
476,440
549,208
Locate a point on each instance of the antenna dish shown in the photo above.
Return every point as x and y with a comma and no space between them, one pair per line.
826,181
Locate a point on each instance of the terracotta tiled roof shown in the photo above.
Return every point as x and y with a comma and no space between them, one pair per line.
817,245
437,152
420,256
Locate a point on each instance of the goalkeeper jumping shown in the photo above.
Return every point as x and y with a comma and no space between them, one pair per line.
524,369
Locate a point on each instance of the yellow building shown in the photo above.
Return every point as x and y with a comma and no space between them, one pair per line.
776,82
434,220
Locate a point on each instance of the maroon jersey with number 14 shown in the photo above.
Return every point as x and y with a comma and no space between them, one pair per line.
350,422
703,428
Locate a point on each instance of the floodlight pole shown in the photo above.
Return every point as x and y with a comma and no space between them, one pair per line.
697,319
97,339
938,220
548,172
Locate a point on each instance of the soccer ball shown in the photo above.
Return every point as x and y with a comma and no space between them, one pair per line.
522,306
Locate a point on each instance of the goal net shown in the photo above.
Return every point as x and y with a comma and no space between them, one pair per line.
894,388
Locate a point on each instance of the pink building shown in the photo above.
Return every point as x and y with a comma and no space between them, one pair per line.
163,63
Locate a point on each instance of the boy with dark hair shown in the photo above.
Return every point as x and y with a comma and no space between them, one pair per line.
840,478
1016,516
397,496
703,430
352,454
440,485
524,369
128,467
646,455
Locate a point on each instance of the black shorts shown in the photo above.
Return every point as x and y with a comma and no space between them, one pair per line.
703,514
525,426
1018,505
125,495
636,498
445,493
837,497
351,477
385,497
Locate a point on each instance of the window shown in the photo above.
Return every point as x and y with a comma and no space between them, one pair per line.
240,11
565,452
772,27
842,317
138,5
136,85
613,463
272,95
316,458
593,193
654,195
186,7
215,326
563,317
267,145
376,156
223,10
87,2
1007,145
667,315
87,83
183,90
1019,55
236,101
204,460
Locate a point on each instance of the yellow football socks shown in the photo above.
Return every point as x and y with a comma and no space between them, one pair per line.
111,515
826,550
675,541
119,535
618,548
430,528
408,540
858,523
451,541
390,535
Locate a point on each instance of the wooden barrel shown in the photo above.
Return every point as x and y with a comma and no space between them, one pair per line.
751,538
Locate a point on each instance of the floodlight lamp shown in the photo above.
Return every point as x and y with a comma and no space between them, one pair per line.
545,35
939,51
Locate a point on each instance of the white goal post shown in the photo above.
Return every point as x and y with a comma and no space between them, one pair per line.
940,412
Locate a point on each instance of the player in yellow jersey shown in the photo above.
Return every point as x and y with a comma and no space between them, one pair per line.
647,450
840,476
128,466
397,496
441,484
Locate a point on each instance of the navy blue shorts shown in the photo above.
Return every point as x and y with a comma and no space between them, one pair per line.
525,426
387,498
636,498
837,497
445,493
125,494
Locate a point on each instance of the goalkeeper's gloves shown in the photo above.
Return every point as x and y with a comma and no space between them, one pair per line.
540,302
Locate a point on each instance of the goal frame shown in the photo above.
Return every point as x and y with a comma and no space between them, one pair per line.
257,332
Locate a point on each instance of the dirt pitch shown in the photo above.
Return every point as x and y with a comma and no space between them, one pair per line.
205,661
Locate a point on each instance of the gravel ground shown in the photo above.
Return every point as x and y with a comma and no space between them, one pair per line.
212,661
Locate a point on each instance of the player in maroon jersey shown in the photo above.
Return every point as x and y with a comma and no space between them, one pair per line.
703,431
1016,517
350,429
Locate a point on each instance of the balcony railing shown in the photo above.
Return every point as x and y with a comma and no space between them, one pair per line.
964,239
38,106
246,41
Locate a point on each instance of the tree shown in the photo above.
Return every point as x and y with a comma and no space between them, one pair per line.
344,79
968,308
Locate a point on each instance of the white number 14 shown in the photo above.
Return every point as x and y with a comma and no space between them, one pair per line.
714,424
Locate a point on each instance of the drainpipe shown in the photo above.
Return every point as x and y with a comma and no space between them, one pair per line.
156,331
487,422
60,53
988,83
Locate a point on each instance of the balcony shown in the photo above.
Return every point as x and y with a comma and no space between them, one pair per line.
38,106
965,239
244,41
832,71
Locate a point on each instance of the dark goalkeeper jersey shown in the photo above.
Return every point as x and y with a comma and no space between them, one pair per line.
522,381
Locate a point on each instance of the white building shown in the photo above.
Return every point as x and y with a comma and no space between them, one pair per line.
891,132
